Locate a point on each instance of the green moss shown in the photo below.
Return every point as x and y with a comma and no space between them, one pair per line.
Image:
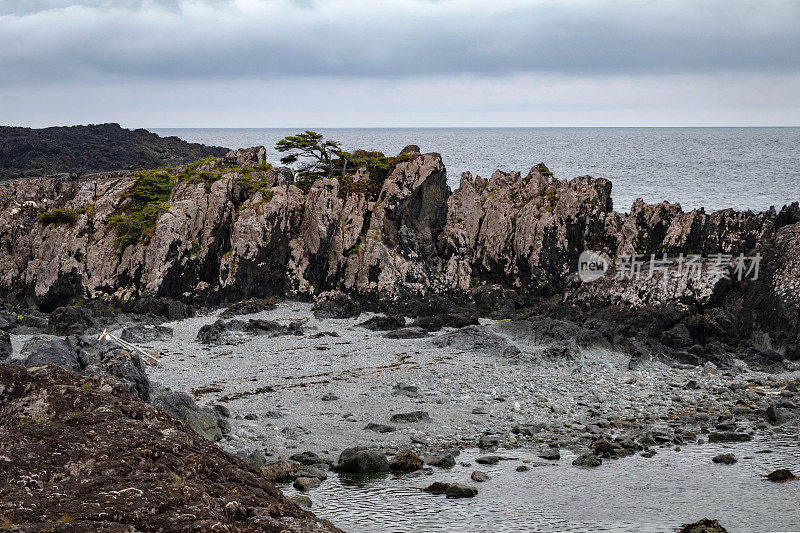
195,247
353,250
58,216
474,282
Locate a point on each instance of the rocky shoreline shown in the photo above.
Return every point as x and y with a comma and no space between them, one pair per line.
366,329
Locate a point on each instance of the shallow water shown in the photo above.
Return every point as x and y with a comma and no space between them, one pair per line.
715,168
633,494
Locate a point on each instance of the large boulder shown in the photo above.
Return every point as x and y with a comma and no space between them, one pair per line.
182,406
361,460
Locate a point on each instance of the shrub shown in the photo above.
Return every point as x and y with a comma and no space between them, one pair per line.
58,216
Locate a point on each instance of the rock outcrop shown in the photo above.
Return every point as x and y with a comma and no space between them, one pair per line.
234,227
122,465
94,148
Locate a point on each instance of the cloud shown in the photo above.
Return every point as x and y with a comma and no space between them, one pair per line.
51,41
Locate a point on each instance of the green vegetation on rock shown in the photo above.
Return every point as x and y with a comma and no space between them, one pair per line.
58,216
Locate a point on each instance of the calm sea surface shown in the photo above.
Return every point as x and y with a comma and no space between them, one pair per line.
715,168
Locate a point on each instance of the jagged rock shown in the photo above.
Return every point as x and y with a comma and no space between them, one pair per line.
135,461
379,428
728,436
238,331
360,460
549,453
459,490
87,354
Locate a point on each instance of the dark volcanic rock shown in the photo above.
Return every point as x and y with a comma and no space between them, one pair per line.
238,331
146,471
335,305
93,148
360,460
406,333
587,460
384,323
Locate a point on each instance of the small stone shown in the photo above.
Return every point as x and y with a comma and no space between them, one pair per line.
443,461
458,490
725,458
587,460
306,483
379,428
523,468
488,460
413,416
479,476
551,454
781,475
329,397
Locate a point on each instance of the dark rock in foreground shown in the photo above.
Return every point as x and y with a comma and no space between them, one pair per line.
147,471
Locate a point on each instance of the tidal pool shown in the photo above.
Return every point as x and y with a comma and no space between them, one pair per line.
633,494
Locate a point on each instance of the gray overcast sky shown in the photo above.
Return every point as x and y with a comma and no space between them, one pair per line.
262,63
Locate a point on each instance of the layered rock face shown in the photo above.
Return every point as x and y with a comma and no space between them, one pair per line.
222,238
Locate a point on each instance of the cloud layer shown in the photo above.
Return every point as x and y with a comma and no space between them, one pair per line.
47,45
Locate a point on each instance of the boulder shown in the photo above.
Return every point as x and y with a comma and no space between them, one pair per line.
405,461
247,307
459,490
781,475
360,460
406,333
182,406
335,304
476,339
587,460
306,483
146,334
445,460
384,323
479,476
725,459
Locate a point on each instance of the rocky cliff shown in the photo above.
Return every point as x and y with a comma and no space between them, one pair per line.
92,148
233,227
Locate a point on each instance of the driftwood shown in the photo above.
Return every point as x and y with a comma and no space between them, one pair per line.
149,358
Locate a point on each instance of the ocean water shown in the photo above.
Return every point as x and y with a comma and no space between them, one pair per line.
714,168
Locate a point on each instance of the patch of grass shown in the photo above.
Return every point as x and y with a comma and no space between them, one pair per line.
379,167
58,216
66,518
